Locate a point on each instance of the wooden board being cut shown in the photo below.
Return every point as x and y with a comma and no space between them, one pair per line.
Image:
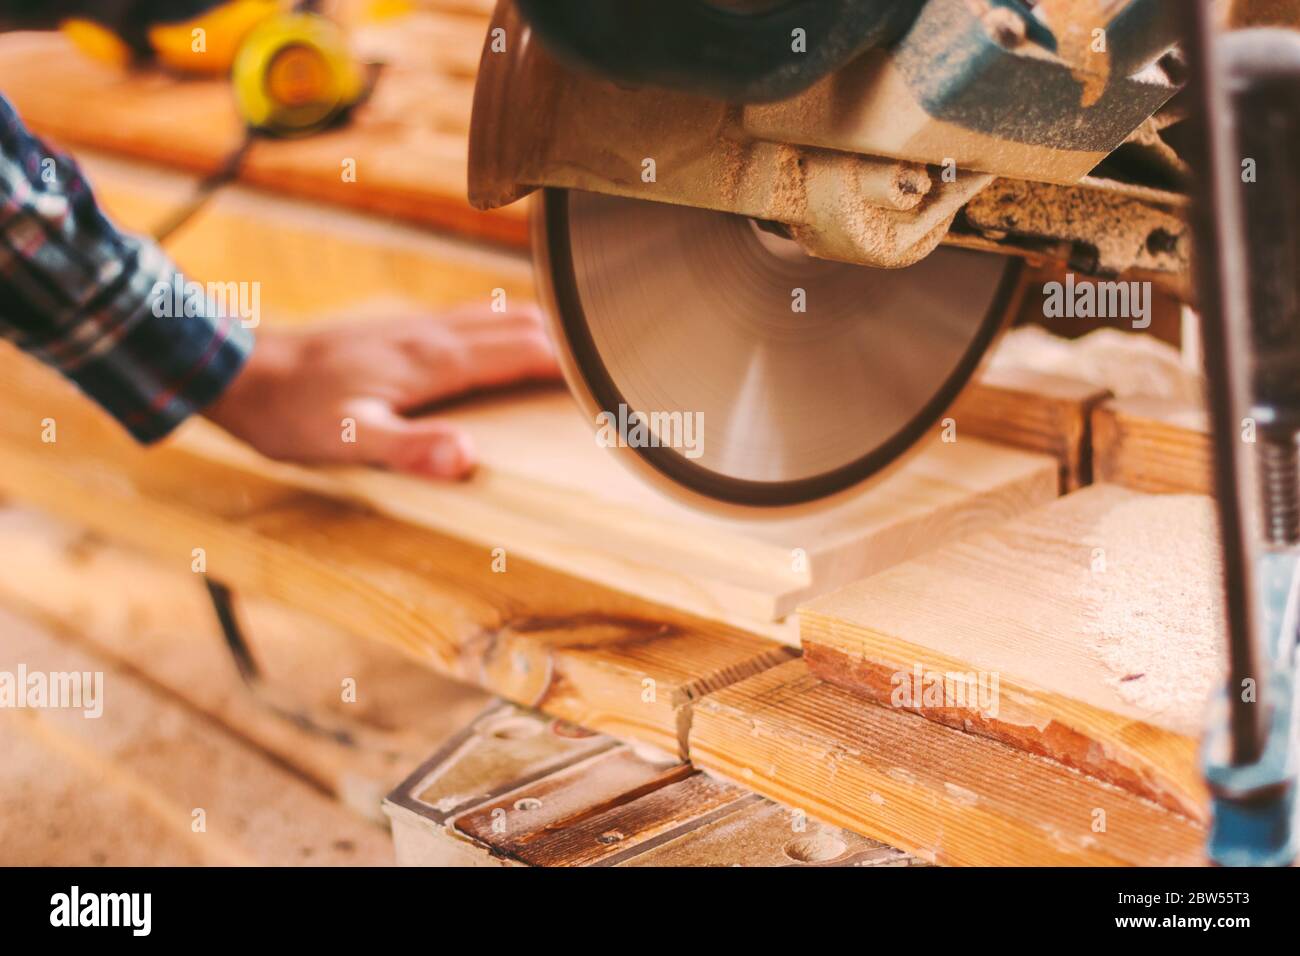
945,796
1155,445
1088,631
407,142
546,490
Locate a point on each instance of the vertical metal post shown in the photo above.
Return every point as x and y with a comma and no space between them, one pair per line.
1223,302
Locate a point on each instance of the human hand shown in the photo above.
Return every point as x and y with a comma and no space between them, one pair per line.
293,397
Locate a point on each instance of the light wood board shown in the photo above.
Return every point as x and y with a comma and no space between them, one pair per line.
945,796
1097,616
544,489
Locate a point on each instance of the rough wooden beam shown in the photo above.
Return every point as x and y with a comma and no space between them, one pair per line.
946,796
1087,631
1152,445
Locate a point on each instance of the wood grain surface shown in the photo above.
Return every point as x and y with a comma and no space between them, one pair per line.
1092,619
1152,445
157,623
945,796
1036,411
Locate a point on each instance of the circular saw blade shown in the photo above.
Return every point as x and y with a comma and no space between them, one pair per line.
762,376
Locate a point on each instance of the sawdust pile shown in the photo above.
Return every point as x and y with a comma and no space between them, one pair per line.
1128,364
1154,615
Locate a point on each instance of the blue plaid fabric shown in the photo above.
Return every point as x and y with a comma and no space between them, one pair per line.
79,295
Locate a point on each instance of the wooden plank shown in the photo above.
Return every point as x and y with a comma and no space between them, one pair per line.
1035,411
945,796
1154,445
1089,631
85,790
408,141
157,623
601,658
544,489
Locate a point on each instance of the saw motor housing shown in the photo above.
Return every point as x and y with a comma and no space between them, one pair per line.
979,108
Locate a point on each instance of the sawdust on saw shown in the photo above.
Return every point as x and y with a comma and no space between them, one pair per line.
1153,606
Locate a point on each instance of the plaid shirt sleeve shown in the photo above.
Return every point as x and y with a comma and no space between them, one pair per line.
97,304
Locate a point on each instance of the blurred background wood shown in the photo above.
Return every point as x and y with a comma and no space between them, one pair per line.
407,142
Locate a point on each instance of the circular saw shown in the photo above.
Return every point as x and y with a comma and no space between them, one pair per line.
775,238
762,375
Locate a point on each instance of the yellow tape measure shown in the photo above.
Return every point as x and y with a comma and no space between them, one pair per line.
295,74
292,74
